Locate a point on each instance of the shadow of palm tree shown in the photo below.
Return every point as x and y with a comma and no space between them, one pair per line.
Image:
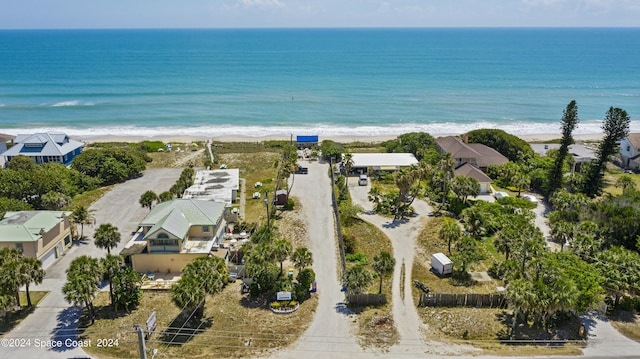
67,327
12,318
186,325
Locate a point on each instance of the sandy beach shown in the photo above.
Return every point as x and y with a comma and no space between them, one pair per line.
341,139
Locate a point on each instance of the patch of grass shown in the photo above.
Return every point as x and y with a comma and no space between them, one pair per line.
627,323
87,198
487,329
236,326
375,323
11,319
428,243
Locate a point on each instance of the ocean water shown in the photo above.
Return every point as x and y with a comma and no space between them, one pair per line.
257,82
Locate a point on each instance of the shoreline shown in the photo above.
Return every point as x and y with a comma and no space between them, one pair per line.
542,137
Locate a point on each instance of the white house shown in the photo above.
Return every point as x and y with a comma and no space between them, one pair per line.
630,151
381,161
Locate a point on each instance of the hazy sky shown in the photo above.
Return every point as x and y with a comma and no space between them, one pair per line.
21,14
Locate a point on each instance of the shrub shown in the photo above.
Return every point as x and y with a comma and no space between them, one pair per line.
358,258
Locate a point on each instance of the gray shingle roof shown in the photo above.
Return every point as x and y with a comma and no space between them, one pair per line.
178,215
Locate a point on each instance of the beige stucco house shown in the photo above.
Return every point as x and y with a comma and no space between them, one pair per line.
44,235
174,233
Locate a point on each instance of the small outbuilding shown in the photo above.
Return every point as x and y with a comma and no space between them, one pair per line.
441,264
281,197
381,161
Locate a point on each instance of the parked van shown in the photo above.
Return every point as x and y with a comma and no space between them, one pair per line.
363,181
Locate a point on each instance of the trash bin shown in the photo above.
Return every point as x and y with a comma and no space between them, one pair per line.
314,286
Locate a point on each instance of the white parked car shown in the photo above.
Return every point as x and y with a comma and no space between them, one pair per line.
501,194
530,198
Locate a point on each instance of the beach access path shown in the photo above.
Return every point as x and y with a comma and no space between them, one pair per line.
330,334
54,321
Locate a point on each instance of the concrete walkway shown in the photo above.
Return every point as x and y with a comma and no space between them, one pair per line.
51,329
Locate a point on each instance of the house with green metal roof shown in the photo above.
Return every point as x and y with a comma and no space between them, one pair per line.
44,235
174,233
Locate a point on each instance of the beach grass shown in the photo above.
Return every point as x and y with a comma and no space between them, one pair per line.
375,323
231,326
87,198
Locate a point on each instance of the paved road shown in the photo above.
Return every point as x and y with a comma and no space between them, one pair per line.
54,320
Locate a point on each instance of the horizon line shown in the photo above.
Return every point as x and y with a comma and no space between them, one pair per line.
327,28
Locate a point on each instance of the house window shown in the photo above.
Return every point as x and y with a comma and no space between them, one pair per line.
205,229
163,235
628,148
20,246
164,242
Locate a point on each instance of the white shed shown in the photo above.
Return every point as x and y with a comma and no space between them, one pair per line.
441,264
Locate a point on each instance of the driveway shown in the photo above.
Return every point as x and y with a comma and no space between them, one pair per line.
330,332
54,319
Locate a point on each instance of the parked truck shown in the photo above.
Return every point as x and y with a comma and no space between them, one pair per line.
441,264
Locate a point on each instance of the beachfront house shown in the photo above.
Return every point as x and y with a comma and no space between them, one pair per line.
581,154
476,154
365,162
45,148
4,140
215,185
630,151
173,234
44,235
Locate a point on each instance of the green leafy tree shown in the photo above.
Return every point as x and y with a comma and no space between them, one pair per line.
450,232
165,196
349,212
383,264
418,143
82,215
467,253
83,280
22,163
302,258
510,146
147,199
55,201
347,163
357,279
615,128
107,237
569,123
626,183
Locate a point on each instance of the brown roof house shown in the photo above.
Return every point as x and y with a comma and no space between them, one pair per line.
44,235
471,159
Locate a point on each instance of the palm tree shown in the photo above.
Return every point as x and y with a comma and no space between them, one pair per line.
301,258
11,271
625,182
383,264
282,248
110,265
32,272
107,237
81,215
357,279
450,232
188,293
521,181
83,280
563,232
147,199
472,217
347,162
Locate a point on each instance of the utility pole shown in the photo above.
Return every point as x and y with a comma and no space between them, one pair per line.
266,203
141,344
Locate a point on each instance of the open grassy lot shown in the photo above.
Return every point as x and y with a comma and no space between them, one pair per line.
11,319
480,327
231,326
627,323
375,323
87,198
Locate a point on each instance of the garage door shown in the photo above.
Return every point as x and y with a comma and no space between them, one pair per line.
48,258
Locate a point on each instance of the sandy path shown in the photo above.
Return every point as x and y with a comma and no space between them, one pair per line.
330,332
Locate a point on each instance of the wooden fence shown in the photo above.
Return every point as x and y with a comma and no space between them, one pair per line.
367,299
462,300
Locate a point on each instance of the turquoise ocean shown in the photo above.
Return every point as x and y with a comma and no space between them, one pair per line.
259,82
